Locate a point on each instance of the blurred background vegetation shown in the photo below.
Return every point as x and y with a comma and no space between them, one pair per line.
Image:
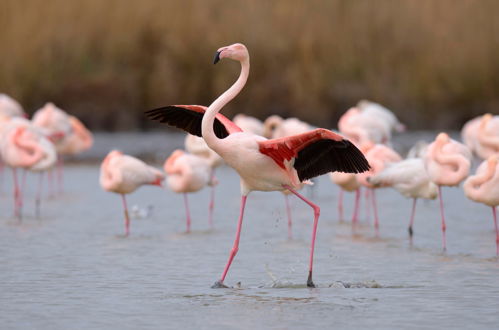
435,63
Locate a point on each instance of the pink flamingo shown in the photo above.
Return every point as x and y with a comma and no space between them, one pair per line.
55,123
79,140
483,187
448,163
186,174
123,174
379,156
196,146
409,177
263,165
23,146
481,135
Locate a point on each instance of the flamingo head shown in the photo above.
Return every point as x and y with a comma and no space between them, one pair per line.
170,161
237,52
442,138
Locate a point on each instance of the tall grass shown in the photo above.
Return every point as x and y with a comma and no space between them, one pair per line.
434,62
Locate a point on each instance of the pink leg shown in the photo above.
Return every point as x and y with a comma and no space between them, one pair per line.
494,212
187,213
411,222
39,195
60,173
340,205
290,222
375,209
211,207
50,185
317,212
235,247
444,241
17,196
355,216
368,205
127,218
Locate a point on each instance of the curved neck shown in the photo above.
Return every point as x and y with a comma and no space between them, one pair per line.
209,117
460,164
473,185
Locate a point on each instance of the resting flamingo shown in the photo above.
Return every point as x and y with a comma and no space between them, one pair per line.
483,187
123,174
448,163
408,177
379,156
79,140
24,146
263,165
186,174
195,145
481,135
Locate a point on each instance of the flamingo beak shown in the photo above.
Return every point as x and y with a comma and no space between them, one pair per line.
217,57
158,182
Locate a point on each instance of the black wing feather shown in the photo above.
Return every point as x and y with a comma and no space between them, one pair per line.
324,156
185,119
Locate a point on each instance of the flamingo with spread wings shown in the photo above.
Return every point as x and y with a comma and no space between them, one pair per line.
263,165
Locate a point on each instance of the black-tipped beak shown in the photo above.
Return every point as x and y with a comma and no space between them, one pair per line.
217,57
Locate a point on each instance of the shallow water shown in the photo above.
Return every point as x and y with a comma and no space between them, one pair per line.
71,269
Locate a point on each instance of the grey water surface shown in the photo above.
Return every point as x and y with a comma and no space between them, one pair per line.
72,269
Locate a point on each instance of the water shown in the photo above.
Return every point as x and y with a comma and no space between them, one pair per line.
72,269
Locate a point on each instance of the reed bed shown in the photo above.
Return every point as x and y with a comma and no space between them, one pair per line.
434,63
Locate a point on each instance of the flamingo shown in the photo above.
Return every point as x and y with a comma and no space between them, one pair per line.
263,165
248,123
379,156
481,135
10,107
187,173
24,146
79,140
123,174
483,187
409,177
196,146
448,163
55,123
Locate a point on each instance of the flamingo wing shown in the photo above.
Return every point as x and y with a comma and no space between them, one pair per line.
315,153
189,118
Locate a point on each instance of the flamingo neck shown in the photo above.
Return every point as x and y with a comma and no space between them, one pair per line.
209,117
30,149
460,164
473,185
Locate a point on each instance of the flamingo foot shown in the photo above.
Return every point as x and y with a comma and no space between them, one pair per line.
219,285
310,283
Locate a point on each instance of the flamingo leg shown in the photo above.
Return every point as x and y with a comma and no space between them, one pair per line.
317,212
211,206
127,218
494,212
411,222
340,205
188,214
368,205
60,174
39,195
355,216
375,209
235,247
444,241
290,221
17,196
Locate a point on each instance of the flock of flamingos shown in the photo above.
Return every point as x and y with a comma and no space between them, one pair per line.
276,155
